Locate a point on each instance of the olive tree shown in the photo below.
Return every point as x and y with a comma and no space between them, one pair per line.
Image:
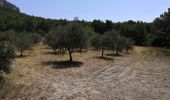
23,42
128,44
111,40
6,56
89,31
8,37
96,42
55,38
70,37
6,50
116,41
102,42
36,38
74,38
7,53
120,43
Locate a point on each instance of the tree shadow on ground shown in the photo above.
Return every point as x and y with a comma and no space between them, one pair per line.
63,64
53,53
19,56
104,58
115,55
45,47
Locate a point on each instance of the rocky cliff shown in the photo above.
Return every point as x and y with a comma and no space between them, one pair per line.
8,5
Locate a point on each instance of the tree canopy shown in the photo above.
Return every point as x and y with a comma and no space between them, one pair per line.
7,54
162,25
70,37
111,40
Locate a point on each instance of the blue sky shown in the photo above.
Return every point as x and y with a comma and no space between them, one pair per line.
115,10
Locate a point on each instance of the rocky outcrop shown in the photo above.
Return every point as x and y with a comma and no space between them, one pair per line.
8,5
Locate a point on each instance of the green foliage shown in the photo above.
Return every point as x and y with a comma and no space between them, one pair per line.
99,26
128,44
139,32
23,42
6,56
55,38
156,33
163,30
74,38
20,22
10,40
70,37
96,41
116,41
7,37
111,40
36,38
101,42
89,31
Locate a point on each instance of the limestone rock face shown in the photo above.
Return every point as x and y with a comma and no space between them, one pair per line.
8,5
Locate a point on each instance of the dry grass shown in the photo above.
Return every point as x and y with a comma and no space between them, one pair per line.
43,75
151,51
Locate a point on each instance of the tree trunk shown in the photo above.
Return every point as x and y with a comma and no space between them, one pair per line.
69,50
60,50
54,50
127,50
21,53
80,50
102,52
117,50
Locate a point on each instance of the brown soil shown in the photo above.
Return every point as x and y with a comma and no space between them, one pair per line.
45,76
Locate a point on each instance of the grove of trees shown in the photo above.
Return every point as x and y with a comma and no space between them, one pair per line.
24,41
111,40
20,41
21,32
10,42
74,37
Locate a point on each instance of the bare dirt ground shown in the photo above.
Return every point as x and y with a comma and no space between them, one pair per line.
43,76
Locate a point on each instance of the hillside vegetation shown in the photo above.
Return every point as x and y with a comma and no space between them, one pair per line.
142,33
